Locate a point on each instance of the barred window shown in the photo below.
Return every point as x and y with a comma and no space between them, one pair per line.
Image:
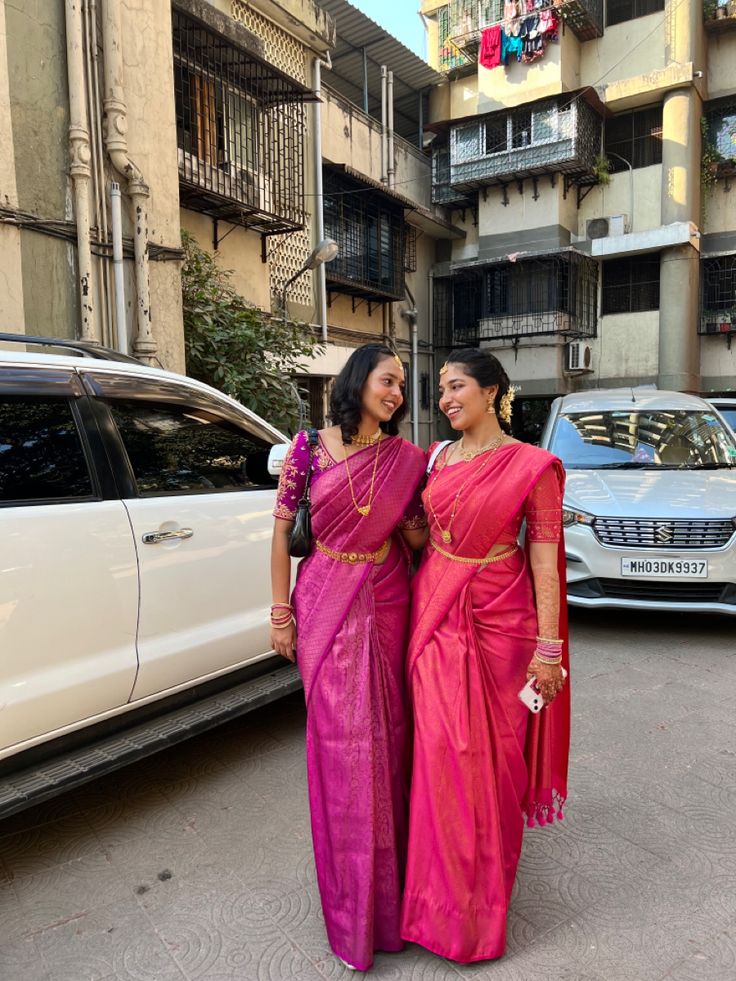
631,285
722,129
410,248
636,136
719,283
618,11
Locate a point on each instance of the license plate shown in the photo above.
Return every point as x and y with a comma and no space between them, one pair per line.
665,568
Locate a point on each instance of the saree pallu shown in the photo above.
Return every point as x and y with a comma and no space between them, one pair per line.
352,626
481,761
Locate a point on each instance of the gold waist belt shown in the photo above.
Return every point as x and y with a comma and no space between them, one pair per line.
355,558
466,561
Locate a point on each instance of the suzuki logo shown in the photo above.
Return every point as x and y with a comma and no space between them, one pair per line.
664,534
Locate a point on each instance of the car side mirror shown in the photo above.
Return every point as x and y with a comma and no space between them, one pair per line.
276,458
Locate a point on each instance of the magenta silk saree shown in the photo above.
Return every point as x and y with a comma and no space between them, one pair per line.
352,626
481,762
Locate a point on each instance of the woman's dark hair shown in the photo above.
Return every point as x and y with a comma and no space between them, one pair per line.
487,370
346,400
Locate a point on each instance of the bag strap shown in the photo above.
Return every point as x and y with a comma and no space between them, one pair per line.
435,453
312,436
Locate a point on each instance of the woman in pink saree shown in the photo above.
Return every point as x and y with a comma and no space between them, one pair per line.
349,633
486,616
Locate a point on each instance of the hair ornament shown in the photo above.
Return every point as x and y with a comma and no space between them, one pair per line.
444,367
505,406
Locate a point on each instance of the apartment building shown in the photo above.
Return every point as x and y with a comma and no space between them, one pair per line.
259,128
587,149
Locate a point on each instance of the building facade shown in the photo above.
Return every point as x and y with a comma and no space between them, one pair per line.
587,148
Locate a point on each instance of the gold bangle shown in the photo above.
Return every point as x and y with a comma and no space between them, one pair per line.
549,640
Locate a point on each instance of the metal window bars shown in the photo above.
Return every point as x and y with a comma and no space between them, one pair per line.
240,132
410,248
546,295
369,230
630,285
560,135
467,19
718,295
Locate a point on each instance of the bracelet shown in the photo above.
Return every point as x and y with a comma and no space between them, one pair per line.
549,640
551,662
282,606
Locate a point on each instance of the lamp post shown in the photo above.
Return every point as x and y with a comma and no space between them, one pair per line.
324,252
628,163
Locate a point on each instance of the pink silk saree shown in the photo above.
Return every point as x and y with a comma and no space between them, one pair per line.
352,628
481,760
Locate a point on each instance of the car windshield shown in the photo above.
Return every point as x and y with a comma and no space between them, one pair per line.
729,414
642,439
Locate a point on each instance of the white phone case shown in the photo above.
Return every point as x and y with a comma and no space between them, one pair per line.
531,697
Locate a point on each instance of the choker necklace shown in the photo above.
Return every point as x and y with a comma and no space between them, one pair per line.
359,440
468,455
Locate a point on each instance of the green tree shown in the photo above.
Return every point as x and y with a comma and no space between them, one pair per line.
236,347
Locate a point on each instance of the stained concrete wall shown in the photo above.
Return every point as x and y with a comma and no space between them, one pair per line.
12,317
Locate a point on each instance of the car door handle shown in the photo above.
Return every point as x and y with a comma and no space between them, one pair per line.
155,537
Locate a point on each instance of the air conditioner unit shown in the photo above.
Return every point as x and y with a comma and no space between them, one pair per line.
579,357
604,227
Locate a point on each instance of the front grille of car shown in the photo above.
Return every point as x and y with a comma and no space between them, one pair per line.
677,533
660,591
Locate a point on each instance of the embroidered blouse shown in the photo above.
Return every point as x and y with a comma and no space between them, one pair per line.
542,509
294,477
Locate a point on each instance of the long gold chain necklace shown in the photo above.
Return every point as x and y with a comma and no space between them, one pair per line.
363,509
446,533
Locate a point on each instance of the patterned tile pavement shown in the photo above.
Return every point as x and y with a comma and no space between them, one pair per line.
197,865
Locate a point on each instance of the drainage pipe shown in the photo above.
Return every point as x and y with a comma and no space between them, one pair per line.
384,153
144,345
79,151
117,264
319,210
390,135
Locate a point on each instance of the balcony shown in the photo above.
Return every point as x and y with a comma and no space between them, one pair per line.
718,295
553,136
442,191
536,297
240,131
467,19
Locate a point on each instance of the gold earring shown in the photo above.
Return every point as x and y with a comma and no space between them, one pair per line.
490,408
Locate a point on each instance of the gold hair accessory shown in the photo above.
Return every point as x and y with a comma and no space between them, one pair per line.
444,367
506,404
397,359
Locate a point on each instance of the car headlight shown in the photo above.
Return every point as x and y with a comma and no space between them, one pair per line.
570,517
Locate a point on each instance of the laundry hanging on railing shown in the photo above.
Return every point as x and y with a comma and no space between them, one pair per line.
523,34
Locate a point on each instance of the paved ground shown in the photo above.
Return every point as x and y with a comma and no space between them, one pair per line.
198,865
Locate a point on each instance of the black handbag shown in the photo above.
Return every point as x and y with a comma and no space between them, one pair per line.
300,539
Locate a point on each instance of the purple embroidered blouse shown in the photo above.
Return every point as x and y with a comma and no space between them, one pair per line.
294,477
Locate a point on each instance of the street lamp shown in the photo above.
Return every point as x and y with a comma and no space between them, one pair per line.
324,252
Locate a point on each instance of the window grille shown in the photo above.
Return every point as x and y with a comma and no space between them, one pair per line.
449,55
722,129
618,11
442,312
369,230
550,136
718,295
240,132
465,20
630,285
636,136
410,248
548,295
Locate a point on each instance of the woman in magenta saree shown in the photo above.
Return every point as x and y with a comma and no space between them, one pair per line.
486,616
351,607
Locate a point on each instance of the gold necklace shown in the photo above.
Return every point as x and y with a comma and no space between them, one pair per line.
359,440
468,455
363,509
446,533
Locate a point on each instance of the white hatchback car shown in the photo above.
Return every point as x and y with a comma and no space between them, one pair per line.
650,501
135,521
727,408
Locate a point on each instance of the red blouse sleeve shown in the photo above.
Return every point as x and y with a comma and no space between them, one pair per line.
544,509
293,478
414,516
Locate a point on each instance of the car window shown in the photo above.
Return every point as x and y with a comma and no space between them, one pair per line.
41,453
729,414
188,450
647,439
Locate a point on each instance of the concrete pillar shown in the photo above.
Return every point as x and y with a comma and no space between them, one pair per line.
679,344
12,315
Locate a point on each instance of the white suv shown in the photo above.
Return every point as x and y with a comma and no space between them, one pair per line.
135,521
650,500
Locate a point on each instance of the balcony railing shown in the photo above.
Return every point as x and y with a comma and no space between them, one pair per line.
467,19
552,136
718,295
240,132
547,295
